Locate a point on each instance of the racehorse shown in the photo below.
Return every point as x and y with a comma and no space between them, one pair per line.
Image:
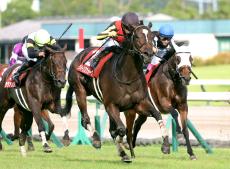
120,86
40,90
168,93
45,116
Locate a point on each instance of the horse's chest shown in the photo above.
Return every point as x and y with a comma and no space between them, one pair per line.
133,95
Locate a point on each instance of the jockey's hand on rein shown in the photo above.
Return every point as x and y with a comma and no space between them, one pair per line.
41,54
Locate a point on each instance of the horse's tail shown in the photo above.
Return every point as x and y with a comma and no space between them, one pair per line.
69,101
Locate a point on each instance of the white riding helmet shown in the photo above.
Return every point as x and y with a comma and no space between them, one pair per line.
42,37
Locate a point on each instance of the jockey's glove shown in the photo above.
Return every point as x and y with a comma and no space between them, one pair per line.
161,53
112,34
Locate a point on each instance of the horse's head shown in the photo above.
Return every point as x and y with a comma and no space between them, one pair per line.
183,63
142,41
56,64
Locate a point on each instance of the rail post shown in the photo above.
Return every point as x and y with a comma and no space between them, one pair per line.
81,137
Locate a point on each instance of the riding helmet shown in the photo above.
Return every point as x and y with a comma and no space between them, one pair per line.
166,31
130,20
42,37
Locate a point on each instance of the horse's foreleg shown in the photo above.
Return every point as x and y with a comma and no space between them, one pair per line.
117,130
41,128
46,117
3,111
66,138
17,121
137,126
28,123
130,117
85,120
146,106
174,114
183,115
22,140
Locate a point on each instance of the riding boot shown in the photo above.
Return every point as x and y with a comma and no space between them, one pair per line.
16,75
96,60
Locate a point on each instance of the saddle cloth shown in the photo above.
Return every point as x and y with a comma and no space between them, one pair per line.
150,73
85,67
9,83
9,80
2,71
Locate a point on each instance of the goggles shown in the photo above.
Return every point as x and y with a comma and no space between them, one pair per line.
165,39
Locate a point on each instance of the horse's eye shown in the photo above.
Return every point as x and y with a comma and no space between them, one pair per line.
190,58
178,59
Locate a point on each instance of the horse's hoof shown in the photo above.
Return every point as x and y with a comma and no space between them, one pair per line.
31,148
126,159
96,141
23,151
165,149
66,142
46,148
193,157
96,144
179,136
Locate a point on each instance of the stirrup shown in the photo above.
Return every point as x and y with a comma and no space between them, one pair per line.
93,63
15,77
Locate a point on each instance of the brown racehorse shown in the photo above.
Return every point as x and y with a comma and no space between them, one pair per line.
168,93
40,90
45,116
120,86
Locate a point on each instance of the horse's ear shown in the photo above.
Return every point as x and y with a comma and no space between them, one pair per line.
65,47
49,49
141,22
150,25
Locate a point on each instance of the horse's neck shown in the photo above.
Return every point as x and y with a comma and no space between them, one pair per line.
130,65
42,71
172,74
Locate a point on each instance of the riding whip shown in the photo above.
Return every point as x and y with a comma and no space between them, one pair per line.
67,28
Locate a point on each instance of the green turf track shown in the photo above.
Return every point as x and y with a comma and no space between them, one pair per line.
80,157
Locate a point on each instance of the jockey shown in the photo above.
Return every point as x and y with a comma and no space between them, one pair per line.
117,32
17,56
31,49
163,41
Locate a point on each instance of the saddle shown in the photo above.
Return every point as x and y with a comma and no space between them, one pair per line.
9,82
85,67
151,72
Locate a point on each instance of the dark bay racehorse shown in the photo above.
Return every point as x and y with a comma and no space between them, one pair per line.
41,90
120,86
168,93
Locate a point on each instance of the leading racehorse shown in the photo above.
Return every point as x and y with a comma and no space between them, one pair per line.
120,86
168,93
41,90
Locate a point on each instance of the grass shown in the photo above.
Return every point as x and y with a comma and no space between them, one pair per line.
211,72
81,157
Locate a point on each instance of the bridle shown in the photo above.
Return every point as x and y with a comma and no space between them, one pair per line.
134,48
50,72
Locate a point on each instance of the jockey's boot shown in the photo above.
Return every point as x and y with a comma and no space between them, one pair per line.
16,75
96,60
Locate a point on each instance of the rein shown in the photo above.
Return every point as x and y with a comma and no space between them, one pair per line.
115,72
133,51
172,73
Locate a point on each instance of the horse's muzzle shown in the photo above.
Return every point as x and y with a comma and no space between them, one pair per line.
186,80
60,83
